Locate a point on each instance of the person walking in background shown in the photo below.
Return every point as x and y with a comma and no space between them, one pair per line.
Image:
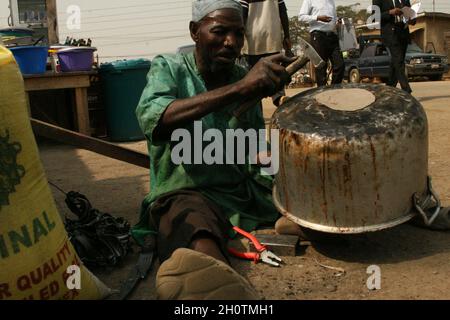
322,18
396,37
267,32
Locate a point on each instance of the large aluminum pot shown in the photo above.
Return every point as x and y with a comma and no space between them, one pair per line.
351,158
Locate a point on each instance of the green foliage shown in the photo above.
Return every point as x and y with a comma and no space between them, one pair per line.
297,30
300,30
352,12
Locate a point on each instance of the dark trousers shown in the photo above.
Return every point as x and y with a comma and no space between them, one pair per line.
183,215
252,61
397,70
327,46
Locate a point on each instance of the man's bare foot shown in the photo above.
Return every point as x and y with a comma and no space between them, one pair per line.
285,226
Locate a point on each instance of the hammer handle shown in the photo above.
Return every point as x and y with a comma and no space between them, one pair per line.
291,70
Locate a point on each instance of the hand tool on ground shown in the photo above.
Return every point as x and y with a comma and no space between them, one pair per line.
142,269
281,245
309,54
263,254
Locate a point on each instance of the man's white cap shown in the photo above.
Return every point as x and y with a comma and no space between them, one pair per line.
201,8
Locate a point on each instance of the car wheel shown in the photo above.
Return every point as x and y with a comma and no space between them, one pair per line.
354,76
437,77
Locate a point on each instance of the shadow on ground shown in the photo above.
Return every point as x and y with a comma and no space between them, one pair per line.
425,99
400,244
111,186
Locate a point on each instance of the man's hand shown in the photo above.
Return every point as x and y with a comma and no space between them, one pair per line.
324,19
396,12
267,77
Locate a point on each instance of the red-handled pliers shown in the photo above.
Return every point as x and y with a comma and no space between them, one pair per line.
263,255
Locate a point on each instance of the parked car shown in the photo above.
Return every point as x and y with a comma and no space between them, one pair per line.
374,61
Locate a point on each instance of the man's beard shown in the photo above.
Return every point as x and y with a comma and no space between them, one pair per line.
216,67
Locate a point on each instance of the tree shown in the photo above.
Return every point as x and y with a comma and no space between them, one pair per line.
351,12
300,30
297,30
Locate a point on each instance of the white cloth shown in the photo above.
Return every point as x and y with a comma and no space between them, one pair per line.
311,9
264,32
347,35
201,8
411,13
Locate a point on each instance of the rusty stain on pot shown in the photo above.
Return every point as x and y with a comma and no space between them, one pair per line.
347,168
333,162
375,170
282,167
324,186
305,167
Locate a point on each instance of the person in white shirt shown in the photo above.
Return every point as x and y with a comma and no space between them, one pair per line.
322,18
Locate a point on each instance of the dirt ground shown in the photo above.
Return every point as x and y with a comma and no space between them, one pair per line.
415,263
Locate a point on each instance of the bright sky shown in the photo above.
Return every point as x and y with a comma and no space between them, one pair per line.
143,28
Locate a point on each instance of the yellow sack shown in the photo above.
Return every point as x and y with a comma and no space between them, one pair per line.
35,252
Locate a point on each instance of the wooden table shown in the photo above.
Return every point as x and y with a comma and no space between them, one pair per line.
79,81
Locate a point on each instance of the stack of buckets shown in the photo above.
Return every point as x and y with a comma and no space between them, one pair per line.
31,59
76,59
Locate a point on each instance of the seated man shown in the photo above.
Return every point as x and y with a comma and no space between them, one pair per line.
192,207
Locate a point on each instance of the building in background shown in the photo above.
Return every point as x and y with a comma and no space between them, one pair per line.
39,15
432,32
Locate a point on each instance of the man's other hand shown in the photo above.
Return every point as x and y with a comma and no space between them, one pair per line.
324,18
268,76
396,12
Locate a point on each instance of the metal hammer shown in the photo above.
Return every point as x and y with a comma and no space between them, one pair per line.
308,54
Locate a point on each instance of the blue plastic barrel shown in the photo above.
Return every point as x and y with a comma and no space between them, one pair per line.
31,60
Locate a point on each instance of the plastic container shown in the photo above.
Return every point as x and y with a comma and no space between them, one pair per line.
76,59
31,59
53,53
123,83
16,32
